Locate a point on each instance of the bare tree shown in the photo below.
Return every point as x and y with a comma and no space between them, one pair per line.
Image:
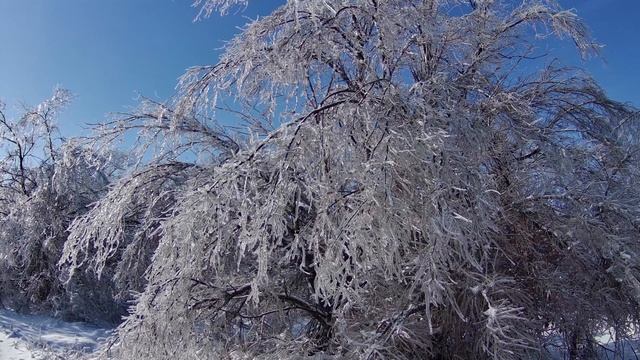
411,184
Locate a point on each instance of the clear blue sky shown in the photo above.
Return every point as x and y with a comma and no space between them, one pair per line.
107,51
616,25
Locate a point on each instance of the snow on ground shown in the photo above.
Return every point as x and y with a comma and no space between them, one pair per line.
13,349
37,337
23,337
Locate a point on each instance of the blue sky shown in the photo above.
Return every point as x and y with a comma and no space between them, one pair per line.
616,25
108,51
105,51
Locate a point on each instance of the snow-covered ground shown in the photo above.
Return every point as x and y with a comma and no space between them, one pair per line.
34,337
13,349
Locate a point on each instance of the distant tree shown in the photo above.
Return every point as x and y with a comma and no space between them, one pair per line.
46,182
415,181
27,144
28,141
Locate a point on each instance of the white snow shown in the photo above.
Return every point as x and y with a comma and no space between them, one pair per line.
28,337
35,337
13,349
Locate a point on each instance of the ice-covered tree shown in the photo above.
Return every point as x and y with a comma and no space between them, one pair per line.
403,179
25,140
45,183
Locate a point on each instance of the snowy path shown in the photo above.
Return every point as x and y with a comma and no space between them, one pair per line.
44,334
13,349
